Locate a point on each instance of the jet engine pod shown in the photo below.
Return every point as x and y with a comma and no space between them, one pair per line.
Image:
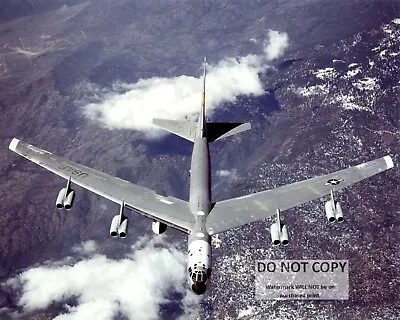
284,236
114,226
275,234
123,228
339,213
69,200
158,227
330,214
60,199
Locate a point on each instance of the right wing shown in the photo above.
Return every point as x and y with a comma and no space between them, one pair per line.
168,210
236,212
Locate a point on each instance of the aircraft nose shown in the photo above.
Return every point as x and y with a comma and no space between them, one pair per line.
199,287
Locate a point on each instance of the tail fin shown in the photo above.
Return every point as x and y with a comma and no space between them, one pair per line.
202,118
217,130
221,130
188,129
184,129
213,131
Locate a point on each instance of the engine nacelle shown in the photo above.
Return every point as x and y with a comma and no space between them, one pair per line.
158,227
60,199
284,236
69,200
339,213
123,228
330,214
279,236
114,226
275,234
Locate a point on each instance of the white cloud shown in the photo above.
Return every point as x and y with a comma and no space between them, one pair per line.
246,312
179,97
230,174
190,304
277,43
135,286
87,247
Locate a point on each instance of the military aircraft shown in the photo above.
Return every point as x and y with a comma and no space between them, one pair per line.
199,217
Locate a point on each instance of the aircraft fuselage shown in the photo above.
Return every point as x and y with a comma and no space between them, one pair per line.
199,242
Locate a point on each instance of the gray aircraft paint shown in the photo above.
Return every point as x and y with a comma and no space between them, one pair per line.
199,218
199,242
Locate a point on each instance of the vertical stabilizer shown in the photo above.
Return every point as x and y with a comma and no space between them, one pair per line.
203,102
213,130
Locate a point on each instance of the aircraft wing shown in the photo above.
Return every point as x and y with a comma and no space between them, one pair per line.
232,213
171,211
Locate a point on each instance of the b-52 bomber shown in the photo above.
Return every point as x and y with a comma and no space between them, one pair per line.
199,217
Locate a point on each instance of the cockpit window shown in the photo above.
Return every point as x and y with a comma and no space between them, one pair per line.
199,276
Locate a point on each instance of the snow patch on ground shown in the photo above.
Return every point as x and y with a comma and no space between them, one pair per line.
367,84
314,90
371,63
387,30
352,73
245,313
382,54
348,103
327,73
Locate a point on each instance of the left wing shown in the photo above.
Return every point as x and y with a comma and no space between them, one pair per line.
168,210
236,212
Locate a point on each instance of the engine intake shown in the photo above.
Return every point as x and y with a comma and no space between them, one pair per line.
275,234
65,201
60,199
118,228
334,212
114,226
123,228
69,200
279,236
339,213
284,236
330,214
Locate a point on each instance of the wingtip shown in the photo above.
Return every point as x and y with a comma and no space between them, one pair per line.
389,161
13,144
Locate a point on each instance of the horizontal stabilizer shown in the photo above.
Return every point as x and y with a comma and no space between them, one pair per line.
220,130
184,129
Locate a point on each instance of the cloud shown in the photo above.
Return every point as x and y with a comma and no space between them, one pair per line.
135,286
230,174
87,247
276,45
133,106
